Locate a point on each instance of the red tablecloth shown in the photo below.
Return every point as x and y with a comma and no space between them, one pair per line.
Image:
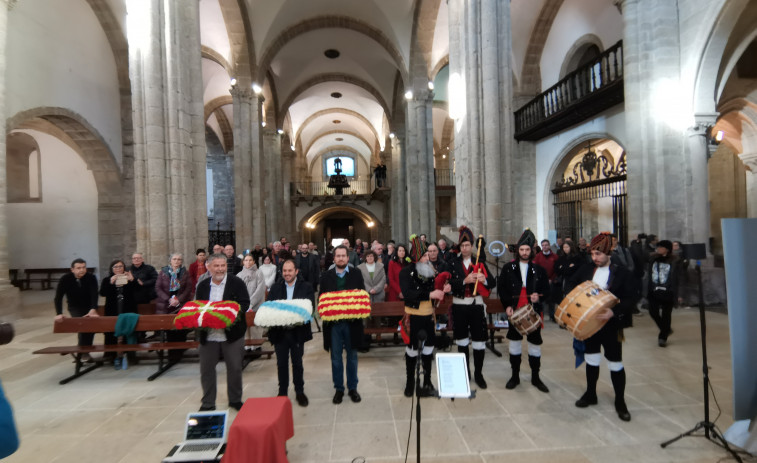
260,431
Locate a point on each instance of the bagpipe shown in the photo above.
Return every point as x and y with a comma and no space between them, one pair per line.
439,281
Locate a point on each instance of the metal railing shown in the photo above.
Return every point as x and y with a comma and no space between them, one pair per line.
444,177
357,187
593,77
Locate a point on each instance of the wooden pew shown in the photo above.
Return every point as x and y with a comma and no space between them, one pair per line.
397,309
158,323
45,276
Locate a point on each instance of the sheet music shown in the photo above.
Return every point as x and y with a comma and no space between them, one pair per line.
452,375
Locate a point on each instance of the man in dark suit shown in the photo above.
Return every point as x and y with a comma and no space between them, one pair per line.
343,334
308,266
229,342
618,280
292,340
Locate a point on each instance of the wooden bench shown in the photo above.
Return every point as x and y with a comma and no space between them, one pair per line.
380,310
13,276
45,276
158,323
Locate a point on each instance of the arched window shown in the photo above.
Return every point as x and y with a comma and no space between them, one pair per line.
348,166
23,170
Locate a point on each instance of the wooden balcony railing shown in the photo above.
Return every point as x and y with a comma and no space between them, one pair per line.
580,95
444,177
357,187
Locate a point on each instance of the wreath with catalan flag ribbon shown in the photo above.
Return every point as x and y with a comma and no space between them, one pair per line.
344,305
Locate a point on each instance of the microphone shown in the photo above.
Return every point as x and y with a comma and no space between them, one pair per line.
422,336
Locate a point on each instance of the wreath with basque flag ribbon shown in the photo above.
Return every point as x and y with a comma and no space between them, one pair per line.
206,314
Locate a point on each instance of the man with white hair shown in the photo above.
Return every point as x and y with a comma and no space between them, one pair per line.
228,342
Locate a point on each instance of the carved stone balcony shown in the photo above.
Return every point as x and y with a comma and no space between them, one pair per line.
582,94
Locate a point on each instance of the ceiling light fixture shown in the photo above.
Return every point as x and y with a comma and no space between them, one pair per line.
263,123
233,81
719,136
281,132
391,134
257,89
332,53
409,95
336,95
430,85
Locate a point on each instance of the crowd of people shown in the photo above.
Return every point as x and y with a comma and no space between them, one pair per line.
647,273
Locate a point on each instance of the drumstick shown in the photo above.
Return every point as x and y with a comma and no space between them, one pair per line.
478,254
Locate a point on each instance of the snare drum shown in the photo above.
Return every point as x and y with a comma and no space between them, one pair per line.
525,320
578,310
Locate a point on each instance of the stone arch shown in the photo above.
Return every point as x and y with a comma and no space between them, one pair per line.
710,72
237,21
562,161
579,47
335,77
74,130
323,112
20,167
422,41
212,55
330,22
332,132
531,75
439,66
215,104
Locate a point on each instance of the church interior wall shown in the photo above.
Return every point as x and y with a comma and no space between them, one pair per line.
551,150
64,225
58,56
574,20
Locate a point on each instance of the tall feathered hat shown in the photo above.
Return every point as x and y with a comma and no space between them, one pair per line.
527,238
417,247
465,235
602,243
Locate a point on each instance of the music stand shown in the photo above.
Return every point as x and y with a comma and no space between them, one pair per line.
698,252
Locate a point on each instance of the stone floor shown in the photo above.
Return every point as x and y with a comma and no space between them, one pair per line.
117,416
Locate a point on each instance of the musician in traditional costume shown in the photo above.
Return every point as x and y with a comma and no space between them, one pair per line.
618,280
522,283
295,299
417,282
339,333
471,282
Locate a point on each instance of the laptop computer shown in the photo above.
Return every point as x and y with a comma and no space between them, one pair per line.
204,435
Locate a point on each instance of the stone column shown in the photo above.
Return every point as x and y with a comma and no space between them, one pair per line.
169,137
9,296
286,208
273,186
697,183
662,177
750,161
480,45
419,155
399,189
249,212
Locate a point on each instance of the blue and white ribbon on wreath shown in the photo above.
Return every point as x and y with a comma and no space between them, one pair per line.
284,313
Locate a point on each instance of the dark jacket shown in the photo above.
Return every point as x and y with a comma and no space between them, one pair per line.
278,292
235,290
414,287
458,275
511,282
620,284
662,284
149,276
163,288
233,265
565,268
310,268
80,298
328,284
110,292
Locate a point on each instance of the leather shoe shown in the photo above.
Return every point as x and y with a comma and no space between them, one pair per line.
662,342
338,395
586,400
623,414
236,405
480,381
207,408
512,383
538,384
354,395
302,399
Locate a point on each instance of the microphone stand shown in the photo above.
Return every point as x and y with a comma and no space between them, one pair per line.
418,369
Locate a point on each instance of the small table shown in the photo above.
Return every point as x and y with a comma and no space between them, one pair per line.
260,431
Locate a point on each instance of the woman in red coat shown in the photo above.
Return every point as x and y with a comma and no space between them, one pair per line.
398,262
